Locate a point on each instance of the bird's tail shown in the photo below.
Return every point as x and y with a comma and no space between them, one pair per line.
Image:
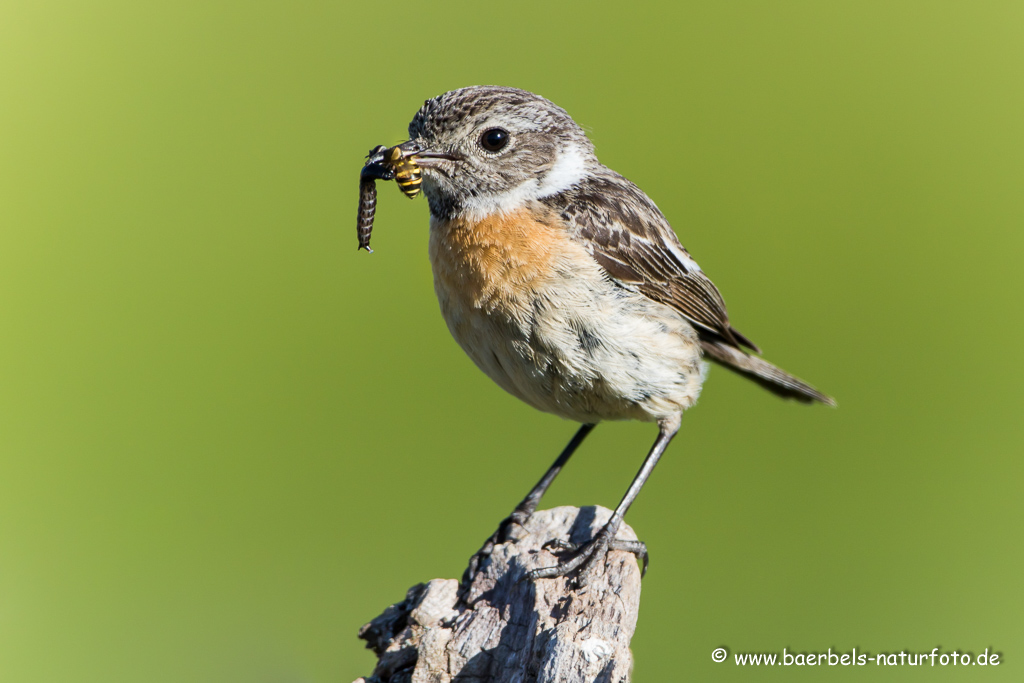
773,379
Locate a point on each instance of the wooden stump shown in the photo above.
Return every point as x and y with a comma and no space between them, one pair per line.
508,630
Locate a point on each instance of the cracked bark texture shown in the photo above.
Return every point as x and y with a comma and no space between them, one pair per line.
508,630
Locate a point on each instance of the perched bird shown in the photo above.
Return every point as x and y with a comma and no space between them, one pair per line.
566,285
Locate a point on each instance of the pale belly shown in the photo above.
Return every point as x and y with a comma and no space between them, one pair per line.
537,315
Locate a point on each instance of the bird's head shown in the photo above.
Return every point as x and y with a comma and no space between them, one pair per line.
487,149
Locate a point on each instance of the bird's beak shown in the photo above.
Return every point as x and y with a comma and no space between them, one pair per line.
424,156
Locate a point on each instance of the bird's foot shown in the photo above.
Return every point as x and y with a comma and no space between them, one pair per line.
586,557
501,535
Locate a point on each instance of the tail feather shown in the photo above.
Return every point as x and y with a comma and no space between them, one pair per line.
773,379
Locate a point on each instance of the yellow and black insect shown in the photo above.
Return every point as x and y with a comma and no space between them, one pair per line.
407,172
383,163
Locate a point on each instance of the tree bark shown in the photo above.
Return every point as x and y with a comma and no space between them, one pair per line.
508,630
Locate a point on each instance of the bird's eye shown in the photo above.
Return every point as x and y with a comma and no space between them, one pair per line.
494,139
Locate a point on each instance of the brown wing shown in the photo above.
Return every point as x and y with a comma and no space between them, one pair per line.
631,239
634,243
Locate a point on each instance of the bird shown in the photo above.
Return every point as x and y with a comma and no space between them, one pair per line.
567,286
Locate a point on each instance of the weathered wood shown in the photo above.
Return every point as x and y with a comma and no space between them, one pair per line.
508,630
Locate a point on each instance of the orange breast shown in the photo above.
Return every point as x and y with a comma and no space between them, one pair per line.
497,261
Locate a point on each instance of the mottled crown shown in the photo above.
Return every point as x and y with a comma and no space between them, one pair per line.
457,110
547,151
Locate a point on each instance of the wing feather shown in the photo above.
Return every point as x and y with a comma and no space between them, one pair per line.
632,240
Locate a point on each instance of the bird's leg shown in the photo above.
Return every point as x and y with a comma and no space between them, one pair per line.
526,507
586,557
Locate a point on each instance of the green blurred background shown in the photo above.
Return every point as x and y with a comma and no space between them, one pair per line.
227,439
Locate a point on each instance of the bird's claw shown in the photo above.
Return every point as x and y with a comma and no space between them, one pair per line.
501,535
559,545
586,556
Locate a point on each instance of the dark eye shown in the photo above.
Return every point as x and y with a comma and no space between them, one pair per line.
494,139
